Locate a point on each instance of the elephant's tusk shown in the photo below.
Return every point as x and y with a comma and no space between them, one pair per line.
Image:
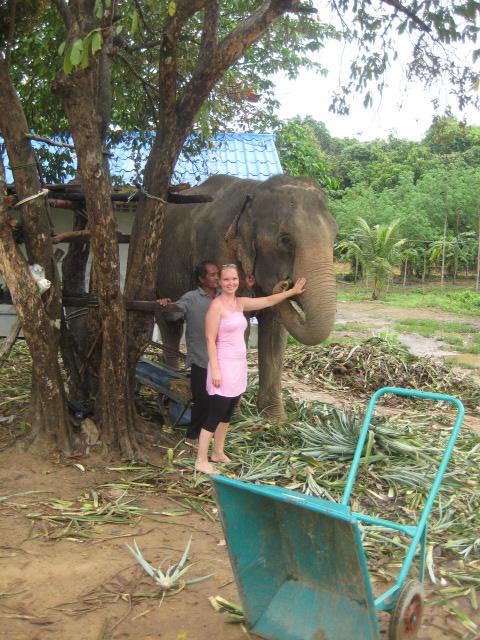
300,312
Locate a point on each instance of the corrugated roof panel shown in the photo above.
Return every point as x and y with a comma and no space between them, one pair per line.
245,155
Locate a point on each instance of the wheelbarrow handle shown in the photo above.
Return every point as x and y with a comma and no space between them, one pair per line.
411,393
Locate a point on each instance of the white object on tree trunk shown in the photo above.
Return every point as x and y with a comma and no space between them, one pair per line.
38,274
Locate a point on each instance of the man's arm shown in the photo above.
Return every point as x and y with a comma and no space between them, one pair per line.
167,305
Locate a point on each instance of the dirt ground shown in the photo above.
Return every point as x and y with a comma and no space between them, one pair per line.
93,589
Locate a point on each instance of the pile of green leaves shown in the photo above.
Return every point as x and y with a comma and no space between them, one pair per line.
374,363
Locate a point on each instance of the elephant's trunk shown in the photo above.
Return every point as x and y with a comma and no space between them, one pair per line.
311,319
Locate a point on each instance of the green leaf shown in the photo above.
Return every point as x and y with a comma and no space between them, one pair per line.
61,48
119,28
76,52
108,4
98,9
67,64
84,61
172,8
134,26
97,41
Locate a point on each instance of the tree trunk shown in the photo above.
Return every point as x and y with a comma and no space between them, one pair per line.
442,276
86,99
405,273
49,413
40,322
73,340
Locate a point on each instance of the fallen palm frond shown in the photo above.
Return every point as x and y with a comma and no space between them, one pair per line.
77,519
233,612
15,384
170,580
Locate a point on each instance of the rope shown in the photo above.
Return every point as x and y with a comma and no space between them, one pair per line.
146,194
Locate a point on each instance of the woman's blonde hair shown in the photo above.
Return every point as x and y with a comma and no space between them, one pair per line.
228,266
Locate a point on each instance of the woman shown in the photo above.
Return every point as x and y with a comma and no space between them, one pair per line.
225,326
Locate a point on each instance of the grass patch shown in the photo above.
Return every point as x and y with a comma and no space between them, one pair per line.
453,341
459,361
429,327
450,299
355,326
473,346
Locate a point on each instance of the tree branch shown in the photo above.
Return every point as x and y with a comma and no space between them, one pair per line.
211,69
31,136
142,17
64,11
148,87
210,30
408,12
11,31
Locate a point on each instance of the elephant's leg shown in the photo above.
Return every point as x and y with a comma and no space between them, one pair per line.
171,332
272,339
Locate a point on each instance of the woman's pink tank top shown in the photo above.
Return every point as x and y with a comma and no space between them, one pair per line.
232,357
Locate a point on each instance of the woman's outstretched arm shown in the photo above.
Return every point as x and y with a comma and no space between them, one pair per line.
254,304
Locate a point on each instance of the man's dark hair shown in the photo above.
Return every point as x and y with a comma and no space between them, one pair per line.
201,269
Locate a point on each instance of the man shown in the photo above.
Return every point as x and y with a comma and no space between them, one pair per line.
194,306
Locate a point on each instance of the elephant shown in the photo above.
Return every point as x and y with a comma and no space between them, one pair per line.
277,229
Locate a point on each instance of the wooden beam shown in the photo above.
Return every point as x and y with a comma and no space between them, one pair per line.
84,234
72,195
147,306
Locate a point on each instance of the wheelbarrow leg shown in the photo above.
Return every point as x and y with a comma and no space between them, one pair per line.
423,552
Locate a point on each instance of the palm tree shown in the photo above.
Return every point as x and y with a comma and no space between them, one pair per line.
348,251
379,251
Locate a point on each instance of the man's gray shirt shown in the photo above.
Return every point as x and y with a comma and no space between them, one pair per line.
194,306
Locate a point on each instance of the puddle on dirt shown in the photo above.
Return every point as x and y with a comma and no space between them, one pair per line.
468,359
424,346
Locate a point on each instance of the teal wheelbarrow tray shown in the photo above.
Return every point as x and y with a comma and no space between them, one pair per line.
299,563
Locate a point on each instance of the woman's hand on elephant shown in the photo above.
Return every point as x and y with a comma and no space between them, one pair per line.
163,302
298,287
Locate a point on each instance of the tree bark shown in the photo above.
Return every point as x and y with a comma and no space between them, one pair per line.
49,413
41,322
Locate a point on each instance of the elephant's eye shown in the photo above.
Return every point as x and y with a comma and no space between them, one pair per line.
286,242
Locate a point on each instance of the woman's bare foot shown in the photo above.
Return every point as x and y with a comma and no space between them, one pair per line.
219,457
205,468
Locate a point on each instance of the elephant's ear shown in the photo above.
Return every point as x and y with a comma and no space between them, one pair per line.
242,247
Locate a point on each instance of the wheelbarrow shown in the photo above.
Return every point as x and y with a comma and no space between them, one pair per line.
299,563
170,384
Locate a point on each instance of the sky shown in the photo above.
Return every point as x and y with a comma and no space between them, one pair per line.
404,109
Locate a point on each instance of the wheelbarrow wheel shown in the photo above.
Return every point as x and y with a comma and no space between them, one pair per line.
407,613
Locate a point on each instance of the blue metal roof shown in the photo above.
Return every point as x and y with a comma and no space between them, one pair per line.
245,155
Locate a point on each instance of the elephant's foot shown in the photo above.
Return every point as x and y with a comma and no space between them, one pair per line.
272,409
